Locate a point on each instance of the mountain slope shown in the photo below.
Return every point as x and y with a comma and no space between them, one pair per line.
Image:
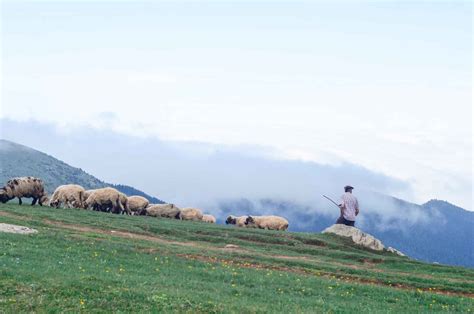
86,261
436,231
17,160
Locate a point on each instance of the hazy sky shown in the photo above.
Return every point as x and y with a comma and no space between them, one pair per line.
384,85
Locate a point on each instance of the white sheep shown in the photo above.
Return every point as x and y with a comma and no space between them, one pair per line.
24,187
267,222
163,210
87,193
238,221
69,196
138,204
125,205
107,199
209,218
190,213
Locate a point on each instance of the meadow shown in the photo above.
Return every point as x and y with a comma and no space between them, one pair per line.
83,261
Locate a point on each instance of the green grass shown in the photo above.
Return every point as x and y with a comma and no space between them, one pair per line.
76,264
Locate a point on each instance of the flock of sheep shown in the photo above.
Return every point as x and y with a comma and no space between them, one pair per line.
111,200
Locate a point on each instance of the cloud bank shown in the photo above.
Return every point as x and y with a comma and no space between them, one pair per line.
197,174
191,171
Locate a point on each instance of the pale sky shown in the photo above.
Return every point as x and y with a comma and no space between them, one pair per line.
384,85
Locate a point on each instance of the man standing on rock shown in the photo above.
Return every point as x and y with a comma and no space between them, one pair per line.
349,207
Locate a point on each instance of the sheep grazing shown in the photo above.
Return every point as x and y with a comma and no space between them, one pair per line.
267,222
107,199
238,221
87,193
24,187
125,205
138,204
190,213
209,218
163,210
69,196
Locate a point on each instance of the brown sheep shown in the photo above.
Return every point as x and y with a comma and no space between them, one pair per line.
163,210
209,218
138,204
238,221
24,187
190,213
69,195
267,222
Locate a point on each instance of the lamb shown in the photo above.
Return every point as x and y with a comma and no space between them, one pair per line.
267,222
108,199
238,221
209,218
138,204
24,187
190,213
163,210
69,195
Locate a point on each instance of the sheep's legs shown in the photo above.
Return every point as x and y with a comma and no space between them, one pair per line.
34,201
19,201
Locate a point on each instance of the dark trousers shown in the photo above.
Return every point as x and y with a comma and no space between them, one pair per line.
343,221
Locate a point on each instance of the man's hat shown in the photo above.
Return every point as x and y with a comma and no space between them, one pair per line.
348,187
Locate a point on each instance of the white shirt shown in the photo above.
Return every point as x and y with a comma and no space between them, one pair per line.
350,204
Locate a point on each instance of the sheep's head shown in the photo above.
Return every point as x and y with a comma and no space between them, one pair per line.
249,221
231,220
54,203
4,197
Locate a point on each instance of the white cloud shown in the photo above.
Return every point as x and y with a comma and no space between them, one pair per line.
329,90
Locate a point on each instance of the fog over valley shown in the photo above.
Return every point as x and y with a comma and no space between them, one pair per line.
199,174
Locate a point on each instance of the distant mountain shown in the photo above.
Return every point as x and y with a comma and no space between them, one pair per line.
17,160
436,231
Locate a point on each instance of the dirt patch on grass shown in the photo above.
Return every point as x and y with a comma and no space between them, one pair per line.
313,242
371,262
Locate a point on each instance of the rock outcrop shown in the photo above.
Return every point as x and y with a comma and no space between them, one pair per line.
361,238
395,251
16,229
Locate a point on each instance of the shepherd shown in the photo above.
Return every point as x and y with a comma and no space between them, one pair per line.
349,207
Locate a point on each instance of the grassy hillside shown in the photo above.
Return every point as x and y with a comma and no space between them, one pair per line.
82,260
17,160
442,232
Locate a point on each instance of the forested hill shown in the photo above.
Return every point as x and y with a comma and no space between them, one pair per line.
17,160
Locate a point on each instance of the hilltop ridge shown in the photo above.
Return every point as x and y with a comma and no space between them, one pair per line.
18,160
